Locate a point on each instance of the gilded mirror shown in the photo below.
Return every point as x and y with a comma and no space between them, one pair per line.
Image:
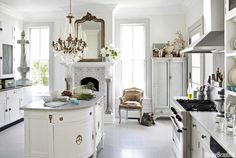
92,30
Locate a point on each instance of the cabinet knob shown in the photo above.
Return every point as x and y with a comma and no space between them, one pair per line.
203,136
50,118
90,113
9,109
79,139
194,125
61,118
6,110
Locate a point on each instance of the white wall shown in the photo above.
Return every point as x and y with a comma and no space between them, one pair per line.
60,72
194,11
12,27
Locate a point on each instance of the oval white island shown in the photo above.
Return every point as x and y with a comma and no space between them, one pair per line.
68,131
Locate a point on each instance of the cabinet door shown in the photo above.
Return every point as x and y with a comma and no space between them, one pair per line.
160,84
13,105
73,139
99,123
2,108
205,150
195,145
177,78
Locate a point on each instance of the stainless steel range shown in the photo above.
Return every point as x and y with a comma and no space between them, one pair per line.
181,120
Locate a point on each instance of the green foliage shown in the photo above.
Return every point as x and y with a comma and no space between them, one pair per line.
40,73
90,85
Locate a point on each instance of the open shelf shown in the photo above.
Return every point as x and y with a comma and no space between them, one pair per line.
233,54
231,93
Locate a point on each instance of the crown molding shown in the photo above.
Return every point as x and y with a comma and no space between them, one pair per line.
11,11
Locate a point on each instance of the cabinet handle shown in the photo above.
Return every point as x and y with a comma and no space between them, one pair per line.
194,125
61,118
50,118
98,124
203,136
9,109
79,139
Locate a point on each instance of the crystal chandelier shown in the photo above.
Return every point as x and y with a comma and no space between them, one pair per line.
71,49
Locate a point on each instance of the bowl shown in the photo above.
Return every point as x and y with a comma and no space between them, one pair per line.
47,99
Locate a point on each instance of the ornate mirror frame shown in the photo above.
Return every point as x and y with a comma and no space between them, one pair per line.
90,17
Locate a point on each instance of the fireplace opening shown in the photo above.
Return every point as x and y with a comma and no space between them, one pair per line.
86,80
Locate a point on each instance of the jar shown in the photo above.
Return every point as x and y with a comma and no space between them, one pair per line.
200,95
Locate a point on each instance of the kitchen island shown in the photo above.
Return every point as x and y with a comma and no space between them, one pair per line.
68,131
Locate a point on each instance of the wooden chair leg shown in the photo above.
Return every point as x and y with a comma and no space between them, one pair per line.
119,116
140,115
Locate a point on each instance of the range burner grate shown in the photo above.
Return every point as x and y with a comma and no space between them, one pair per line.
197,105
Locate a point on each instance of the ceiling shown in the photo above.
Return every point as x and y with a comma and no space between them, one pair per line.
30,8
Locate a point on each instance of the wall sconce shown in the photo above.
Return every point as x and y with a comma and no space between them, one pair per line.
0,26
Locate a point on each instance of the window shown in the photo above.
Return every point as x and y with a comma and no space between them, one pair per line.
195,60
39,59
133,55
196,65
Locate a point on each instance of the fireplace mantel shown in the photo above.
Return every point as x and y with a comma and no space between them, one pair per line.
93,64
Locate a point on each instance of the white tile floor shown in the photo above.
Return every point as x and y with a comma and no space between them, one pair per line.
127,140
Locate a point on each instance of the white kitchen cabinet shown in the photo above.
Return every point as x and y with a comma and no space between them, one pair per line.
2,108
77,134
169,79
13,105
200,142
67,133
10,103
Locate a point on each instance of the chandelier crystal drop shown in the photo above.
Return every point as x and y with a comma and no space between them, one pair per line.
71,49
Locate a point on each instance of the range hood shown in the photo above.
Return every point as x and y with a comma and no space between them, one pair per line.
213,39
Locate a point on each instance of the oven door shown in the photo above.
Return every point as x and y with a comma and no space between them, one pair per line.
177,137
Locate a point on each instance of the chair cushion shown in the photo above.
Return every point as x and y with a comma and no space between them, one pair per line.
131,105
132,96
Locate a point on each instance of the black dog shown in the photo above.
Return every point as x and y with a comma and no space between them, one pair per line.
147,119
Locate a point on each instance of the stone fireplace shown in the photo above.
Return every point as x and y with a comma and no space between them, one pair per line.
101,74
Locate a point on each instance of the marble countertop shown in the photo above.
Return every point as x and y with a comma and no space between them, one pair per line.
39,105
207,120
16,87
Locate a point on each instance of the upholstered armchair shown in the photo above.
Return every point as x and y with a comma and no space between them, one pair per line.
131,100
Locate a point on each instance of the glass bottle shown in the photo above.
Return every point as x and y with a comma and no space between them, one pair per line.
189,91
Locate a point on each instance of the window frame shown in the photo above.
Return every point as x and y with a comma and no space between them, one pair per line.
50,25
197,27
145,24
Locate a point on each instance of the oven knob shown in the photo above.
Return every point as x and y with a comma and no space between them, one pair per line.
178,118
173,110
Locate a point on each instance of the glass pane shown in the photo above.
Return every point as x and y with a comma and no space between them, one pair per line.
196,75
34,43
195,37
126,41
44,43
127,73
196,59
139,76
7,59
138,42
39,72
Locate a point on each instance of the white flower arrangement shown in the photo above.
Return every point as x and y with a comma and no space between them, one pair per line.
110,52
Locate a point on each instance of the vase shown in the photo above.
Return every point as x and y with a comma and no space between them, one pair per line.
107,59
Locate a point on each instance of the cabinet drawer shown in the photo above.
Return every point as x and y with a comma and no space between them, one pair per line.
72,116
3,95
204,136
12,92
